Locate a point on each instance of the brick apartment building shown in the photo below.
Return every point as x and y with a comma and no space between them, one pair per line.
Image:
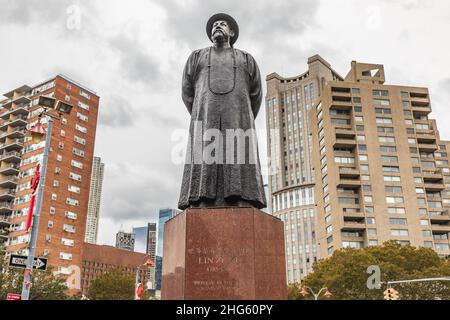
66,192
97,260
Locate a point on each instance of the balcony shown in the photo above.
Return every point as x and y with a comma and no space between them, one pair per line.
427,147
344,143
352,214
20,110
349,183
344,133
433,187
5,221
354,224
20,90
352,235
12,156
8,182
420,110
440,226
349,172
342,102
18,121
426,137
4,234
7,195
21,100
6,207
432,175
10,169
13,145
17,133
439,217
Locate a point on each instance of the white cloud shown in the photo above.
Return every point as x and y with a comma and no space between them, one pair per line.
132,53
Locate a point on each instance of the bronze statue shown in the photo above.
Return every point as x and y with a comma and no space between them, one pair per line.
222,91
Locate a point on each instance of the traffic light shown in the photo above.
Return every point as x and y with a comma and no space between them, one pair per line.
391,294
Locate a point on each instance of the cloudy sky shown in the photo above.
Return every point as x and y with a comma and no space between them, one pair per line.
133,53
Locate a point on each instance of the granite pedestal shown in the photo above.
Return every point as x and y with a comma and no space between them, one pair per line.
224,254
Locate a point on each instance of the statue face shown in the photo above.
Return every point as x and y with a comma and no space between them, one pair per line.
221,31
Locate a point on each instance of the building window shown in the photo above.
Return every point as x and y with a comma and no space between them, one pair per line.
65,256
80,128
398,221
69,228
396,210
76,164
399,232
74,189
72,202
394,200
70,215
78,152
79,140
85,94
67,242
82,117
380,93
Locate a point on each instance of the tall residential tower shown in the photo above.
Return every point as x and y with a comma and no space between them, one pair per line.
291,179
382,170
95,195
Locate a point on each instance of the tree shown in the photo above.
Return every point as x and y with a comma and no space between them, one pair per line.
112,285
294,291
46,286
345,272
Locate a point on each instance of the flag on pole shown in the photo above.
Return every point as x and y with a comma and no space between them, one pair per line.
34,185
37,132
149,262
139,290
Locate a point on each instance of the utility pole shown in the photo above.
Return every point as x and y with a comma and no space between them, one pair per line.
62,108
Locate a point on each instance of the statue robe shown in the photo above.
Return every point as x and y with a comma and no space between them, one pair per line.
222,91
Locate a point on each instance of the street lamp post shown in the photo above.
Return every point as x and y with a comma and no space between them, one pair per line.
148,262
61,107
27,279
304,292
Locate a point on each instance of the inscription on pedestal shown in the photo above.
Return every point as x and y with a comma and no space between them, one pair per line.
217,259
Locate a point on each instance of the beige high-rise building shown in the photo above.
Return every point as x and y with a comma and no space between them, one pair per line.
95,196
291,179
382,170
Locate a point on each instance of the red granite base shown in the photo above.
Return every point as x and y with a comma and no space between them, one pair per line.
224,254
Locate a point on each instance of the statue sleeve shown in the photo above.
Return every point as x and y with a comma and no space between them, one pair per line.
255,86
187,90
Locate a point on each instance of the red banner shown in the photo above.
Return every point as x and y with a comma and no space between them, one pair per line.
34,186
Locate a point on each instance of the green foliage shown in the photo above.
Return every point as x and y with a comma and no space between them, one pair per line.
46,286
345,272
112,285
294,291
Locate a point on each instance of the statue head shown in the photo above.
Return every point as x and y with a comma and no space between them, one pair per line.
222,28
